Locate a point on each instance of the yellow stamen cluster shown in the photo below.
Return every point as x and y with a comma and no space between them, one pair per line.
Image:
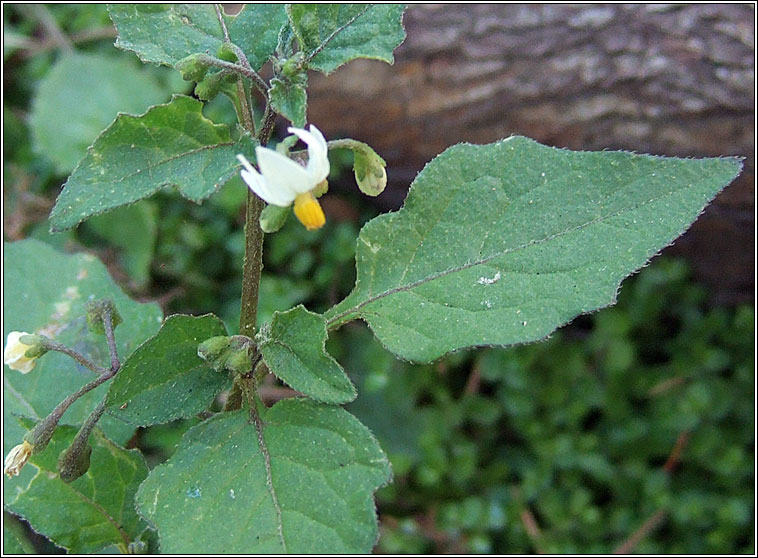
308,211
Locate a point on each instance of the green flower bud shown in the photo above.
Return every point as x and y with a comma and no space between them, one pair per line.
226,52
214,351
273,218
212,84
96,312
75,460
369,172
240,361
293,67
42,433
228,353
193,67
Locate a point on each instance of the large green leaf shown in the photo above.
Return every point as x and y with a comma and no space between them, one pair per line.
45,292
166,33
94,511
164,379
293,347
502,243
171,144
80,96
339,33
299,479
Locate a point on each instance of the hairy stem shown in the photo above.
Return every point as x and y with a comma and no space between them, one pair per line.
252,265
109,335
78,357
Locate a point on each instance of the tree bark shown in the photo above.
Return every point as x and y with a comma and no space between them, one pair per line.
673,80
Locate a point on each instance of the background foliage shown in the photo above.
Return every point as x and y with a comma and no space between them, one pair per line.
643,411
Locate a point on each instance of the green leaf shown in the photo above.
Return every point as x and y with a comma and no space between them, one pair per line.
171,144
45,292
339,33
94,511
164,379
15,538
293,347
166,33
299,479
290,100
133,230
502,243
80,96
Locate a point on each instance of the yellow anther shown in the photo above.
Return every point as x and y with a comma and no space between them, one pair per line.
309,212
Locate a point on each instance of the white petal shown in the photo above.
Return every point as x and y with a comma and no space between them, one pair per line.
318,158
282,173
245,163
257,184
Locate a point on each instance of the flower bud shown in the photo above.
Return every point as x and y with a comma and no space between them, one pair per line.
293,67
273,218
22,350
215,351
74,461
212,84
17,458
96,312
193,67
370,173
39,436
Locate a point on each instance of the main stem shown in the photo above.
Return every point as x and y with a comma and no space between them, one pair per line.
252,264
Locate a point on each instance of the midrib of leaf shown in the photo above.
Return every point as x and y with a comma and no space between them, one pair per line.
171,158
336,32
339,319
269,478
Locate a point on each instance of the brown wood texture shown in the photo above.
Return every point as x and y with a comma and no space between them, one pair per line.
673,80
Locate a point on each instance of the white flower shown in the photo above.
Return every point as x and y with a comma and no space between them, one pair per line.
15,353
282,181
17,458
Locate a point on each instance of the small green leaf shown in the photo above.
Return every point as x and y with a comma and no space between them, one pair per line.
80,96
293,347
102,499
45,292
171,144
290,100
166,33
133,230
502,243
164,379
339,33
299,480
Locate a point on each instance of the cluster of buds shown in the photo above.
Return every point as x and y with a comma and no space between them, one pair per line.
234,353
